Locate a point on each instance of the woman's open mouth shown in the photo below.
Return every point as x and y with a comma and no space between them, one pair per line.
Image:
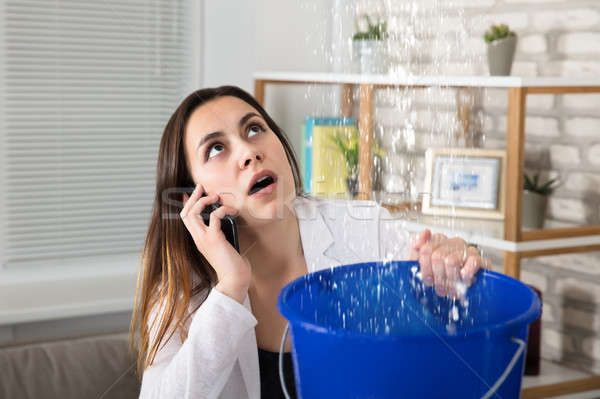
263,186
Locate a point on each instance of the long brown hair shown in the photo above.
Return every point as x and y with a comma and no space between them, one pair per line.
170,256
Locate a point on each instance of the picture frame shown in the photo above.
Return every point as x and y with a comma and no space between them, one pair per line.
467,182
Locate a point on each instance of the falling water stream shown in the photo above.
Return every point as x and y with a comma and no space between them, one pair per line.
426,38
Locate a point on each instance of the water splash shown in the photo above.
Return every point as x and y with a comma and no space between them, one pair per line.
426,37
384,300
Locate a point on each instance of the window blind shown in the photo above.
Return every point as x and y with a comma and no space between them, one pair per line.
87,88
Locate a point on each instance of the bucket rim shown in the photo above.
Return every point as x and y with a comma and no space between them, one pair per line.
295,319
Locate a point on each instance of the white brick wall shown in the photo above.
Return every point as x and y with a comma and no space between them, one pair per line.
556,340
578,102
583,183
524,68
579,43
570,68
535,126
578,289
534,152
582,264
547,312
516,20
594,154
589,127
565,19
539,102
542,126
533,44
536,279
567,209
580,318
564,155
591,346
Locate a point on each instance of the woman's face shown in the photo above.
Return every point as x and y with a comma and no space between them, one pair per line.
226,143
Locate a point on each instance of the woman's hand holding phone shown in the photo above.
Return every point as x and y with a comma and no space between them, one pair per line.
233,270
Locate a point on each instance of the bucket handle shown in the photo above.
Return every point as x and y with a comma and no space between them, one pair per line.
487,395
281,348
509,368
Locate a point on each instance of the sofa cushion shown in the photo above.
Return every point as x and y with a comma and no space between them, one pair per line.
92,367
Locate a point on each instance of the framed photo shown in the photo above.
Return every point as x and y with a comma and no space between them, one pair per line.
465,182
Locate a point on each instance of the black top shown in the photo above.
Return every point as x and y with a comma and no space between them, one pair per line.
270,386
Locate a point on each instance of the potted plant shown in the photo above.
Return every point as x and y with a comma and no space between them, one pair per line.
348,146
501,45
535,197
368,46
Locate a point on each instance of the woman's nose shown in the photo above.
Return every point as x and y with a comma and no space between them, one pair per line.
252,155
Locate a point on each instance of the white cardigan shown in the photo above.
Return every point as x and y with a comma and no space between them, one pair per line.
219,358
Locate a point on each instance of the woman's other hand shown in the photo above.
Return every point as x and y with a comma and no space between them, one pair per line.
444,261
233,270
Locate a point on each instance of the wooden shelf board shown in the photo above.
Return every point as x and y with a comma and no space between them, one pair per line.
490,233
545,84
556,380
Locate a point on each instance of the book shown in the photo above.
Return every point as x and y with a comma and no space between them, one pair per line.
307,144
329,168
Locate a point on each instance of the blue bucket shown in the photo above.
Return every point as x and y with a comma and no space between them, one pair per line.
373,330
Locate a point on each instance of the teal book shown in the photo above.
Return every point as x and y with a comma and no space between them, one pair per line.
307,156
303,154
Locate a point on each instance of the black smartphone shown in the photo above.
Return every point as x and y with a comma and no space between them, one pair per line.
228,225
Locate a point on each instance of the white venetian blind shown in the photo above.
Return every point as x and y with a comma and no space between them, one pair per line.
87,88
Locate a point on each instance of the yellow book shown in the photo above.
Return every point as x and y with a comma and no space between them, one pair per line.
329,169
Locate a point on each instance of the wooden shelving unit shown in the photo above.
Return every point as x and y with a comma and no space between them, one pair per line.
507,235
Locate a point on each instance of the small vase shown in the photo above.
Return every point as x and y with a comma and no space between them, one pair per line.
500,55
352,184
534,209
369,57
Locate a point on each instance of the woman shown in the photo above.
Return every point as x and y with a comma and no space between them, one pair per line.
222,303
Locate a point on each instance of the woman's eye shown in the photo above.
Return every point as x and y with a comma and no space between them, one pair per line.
209,152
255,128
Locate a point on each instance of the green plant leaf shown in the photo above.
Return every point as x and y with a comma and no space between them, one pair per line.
534,185
547,187
375,31
497,32
528,185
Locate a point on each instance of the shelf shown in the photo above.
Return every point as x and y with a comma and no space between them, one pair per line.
412,80
553,373
490,233
487,232
481,232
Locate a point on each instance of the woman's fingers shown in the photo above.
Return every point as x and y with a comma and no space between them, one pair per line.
444,262
199,206
425,254
447,259
188,202
417,242
455,258
438,265
217,215
452,267
233,271
425,263
473,263
438,239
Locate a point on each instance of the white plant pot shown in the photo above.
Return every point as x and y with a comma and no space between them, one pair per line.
500,55
534,210
369,56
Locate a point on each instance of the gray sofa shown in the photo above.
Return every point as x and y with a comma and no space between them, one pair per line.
97,367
